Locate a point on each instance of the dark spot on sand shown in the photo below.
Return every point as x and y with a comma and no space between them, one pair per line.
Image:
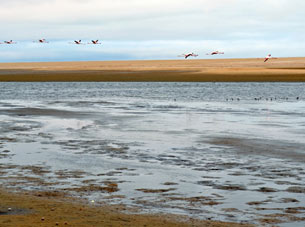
109,188
8,139
255,203
289,200
62,174
238,173
155,190
285,183
270,221
296,189
51,194
202,200
230,187
266,189
206,183
292,210
170,183
230,210
13,211
37,170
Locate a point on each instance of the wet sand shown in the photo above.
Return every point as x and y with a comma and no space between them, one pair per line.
190,70
277,184
55,209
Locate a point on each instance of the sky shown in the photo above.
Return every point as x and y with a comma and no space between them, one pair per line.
150,29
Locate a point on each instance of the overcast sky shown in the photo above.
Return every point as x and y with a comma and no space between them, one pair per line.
150,29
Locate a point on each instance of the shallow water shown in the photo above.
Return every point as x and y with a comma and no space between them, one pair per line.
223,151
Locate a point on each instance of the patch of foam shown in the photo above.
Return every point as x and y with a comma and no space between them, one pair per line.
60,124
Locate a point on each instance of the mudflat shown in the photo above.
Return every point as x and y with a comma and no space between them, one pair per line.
54,209
186,70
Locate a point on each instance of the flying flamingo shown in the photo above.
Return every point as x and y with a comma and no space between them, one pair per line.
94,42
215,52
269,57
77,42
188,55
41,41
9,42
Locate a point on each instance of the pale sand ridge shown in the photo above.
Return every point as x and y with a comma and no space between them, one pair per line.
227,70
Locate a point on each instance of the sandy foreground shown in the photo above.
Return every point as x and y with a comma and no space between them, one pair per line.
226,70
54,209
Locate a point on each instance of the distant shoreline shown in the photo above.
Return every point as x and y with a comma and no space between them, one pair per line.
208,70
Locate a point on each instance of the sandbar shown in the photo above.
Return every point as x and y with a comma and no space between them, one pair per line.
186,70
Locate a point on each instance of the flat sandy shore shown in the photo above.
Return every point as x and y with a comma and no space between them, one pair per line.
189,70
54,209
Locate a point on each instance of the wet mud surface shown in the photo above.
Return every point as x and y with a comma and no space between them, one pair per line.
231,161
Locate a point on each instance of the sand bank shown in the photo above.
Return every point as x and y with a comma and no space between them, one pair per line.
53,209
226,70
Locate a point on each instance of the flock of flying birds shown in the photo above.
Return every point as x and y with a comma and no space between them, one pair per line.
195,55
217,52
95,42
77,42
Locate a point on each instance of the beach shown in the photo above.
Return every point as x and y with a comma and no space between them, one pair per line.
156,148
186,70
55,209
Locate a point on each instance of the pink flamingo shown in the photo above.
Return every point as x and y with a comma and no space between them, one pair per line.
9,42
188,55
94,42
215,52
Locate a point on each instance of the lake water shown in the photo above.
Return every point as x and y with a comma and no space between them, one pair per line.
219,151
